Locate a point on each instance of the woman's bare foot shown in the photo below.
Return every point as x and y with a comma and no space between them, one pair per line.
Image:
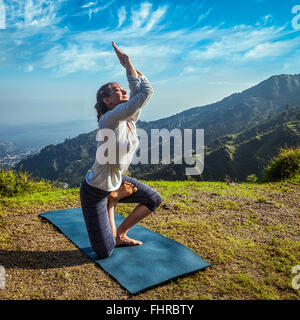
125,190
123,240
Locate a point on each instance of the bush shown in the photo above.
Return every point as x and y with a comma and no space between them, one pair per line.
14,183
252,178
285,166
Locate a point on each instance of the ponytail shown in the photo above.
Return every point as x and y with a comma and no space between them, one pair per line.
102,93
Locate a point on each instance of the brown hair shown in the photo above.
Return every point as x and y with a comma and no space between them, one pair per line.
102,93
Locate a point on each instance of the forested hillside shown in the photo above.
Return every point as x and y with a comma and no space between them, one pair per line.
242,133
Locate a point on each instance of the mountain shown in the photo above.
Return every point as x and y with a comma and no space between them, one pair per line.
65,162
242,133
238,155
233,113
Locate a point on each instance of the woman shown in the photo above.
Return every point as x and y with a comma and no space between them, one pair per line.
118,112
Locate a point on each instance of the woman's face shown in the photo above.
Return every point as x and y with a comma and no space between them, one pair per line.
117,95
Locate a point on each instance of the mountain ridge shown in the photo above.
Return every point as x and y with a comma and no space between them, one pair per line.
232,115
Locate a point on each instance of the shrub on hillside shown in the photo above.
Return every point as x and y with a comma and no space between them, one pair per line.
252,178
14,183
284,166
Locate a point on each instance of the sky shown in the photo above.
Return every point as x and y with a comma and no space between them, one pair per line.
55,54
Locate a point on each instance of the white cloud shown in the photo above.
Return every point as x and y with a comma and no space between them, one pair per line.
121,16
241,43
90,4
2,15
148,52
237,45
33,13
74,59
138,17
271,49
146,33
169,43
29,68
92,8
267,18
156,17
202,17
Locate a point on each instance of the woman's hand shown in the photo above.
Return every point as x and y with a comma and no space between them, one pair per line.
123,57
126,62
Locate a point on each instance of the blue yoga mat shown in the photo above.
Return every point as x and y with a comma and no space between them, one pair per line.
136,268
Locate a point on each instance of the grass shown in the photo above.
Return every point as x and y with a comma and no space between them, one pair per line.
249,231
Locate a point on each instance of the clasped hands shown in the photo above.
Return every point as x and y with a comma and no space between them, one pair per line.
122,56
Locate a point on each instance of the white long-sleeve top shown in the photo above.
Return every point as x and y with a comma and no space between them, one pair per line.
108,176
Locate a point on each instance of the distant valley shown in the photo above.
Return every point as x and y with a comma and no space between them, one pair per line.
37,135
21,140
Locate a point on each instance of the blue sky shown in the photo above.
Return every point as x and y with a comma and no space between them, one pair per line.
55,54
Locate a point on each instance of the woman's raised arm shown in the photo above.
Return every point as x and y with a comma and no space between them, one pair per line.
126,62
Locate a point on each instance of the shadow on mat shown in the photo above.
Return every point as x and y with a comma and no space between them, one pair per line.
42,259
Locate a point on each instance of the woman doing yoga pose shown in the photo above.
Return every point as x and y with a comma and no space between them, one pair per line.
118,112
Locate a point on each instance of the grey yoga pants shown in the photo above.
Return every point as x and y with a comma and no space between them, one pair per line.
93,203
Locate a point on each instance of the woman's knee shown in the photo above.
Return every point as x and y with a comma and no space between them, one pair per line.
155,201
104,253
104,250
